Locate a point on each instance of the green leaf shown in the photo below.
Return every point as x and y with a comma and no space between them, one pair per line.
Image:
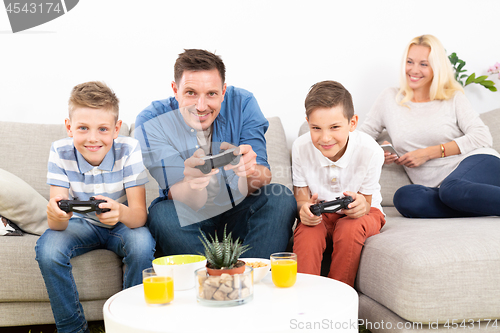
453,58
492,88
470,79
480,78
460,66
487,83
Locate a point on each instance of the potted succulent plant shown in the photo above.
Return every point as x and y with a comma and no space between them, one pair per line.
222,256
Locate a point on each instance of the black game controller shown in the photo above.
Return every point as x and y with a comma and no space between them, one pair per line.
77,206
219,160
331,206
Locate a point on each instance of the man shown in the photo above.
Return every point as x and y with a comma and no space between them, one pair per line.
205,117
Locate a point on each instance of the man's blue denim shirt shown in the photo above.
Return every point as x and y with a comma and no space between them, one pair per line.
167,141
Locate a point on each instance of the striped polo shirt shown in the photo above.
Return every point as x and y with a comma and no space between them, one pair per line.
121,168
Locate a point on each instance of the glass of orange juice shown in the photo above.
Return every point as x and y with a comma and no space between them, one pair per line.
158,288
284,269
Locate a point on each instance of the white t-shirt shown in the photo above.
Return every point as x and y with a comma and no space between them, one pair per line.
358,170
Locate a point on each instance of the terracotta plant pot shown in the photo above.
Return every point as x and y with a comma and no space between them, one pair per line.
239,268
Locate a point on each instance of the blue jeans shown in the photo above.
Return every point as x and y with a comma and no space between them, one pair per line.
54,249
472,189
262,220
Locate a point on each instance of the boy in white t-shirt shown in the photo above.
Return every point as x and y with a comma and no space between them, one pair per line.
334,161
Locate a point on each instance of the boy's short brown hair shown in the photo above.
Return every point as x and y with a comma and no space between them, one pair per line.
328,94
198,60
95,95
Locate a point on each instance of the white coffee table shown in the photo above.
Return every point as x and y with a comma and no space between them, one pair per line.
314,302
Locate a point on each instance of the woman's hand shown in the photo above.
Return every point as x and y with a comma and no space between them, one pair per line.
414,158
389,158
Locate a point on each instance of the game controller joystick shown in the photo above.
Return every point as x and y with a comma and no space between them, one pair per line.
216,161
331,206
77,206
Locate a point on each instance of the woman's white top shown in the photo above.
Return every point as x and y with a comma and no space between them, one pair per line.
421,125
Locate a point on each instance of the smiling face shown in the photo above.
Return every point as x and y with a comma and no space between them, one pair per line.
329,130
419,73
203,89
93,132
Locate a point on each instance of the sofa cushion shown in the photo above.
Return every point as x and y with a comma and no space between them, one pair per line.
22,280
25,150
412,263
21,204
492,120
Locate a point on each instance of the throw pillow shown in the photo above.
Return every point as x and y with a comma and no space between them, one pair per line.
21,204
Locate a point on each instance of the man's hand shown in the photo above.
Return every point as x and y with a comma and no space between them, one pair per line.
252,176
192,189
248,160
196,179
306,217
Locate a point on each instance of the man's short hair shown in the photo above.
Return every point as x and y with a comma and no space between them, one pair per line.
95,95
329,94
198,60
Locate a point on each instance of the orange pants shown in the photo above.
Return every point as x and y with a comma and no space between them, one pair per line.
348,236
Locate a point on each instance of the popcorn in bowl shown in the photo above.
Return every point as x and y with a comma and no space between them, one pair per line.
260,267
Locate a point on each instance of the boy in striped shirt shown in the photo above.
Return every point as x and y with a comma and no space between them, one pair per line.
93,162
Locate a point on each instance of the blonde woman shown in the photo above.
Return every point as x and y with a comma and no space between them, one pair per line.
443,145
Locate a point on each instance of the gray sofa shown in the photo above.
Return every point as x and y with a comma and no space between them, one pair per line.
431,274
98,274
414,271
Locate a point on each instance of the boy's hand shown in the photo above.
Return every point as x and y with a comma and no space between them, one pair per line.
358,207
197,180
54,213
113,216
306,217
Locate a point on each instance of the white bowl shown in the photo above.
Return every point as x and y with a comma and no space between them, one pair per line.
260,272
183,266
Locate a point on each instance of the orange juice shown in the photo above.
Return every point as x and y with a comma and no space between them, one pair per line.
284,272
158,289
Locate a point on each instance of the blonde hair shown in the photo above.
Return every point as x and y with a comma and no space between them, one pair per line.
95,95
443,85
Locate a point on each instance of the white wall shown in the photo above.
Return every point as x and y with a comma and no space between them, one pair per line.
276,49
